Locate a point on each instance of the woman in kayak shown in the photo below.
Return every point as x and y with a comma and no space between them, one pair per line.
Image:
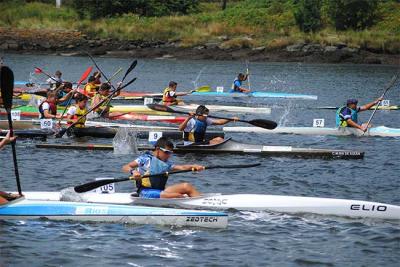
347,116
158,161
195,126
237,84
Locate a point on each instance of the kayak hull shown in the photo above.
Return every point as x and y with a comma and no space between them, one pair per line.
23,209
249,202
232,147
374,131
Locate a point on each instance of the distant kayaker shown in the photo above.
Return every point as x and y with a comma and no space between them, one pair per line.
170,95
48,108
76,111
347,116
7,139
158,161
101,95
194,127
6,197
55,81
237,84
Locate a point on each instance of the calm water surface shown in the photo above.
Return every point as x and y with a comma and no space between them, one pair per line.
252,238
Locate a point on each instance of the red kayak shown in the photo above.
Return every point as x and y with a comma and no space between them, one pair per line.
140,117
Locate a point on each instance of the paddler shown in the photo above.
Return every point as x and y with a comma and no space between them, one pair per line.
76,111
101,95
64,94
91,87
194,127
237,84
170,95
158,161
55,81
347,116
48,108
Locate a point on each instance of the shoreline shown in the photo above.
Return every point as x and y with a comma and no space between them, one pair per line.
74,43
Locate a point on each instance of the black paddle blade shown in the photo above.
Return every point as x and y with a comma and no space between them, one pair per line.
131,67
61,133
7,86
266,124
95,184
127,84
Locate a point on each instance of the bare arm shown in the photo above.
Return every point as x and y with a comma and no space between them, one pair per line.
183,125
370,105
128,167
194,167
351,123
224,121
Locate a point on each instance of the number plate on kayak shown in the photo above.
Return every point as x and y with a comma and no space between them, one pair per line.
105,189
16,115
46,124
277,148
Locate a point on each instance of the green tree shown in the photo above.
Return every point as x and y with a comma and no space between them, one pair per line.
352,14
308,15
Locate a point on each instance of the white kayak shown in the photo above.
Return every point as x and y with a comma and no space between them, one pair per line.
250,202
24,208
341,131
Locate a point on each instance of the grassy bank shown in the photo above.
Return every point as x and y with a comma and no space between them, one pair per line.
249,23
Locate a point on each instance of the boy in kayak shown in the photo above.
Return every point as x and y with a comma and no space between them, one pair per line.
91,87
195,126
170,95
347,116
76,111
104,109
48,108
158,161
64,94
237,84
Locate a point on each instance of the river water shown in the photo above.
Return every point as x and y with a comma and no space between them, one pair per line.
252,238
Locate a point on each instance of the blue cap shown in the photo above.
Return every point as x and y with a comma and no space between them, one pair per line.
352,101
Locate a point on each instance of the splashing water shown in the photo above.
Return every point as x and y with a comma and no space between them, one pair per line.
195,82
125,141
284,119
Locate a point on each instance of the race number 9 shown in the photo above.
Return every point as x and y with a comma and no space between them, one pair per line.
154,136
319,123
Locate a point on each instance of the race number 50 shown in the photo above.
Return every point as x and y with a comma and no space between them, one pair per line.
319,123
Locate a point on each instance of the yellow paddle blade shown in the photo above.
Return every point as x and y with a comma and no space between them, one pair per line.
205,88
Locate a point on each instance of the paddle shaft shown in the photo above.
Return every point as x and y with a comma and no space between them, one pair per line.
95,184
7,88
390,85
48,75
248,74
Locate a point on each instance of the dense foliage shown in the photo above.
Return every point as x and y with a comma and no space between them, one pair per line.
308,15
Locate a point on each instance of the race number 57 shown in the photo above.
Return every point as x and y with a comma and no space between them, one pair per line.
319,123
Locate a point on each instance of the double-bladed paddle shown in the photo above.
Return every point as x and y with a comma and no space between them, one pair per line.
63,131
7,87
131,67
95,184
266,124
390,85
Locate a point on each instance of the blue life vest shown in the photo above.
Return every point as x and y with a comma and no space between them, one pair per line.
153,166
198,132
236,83
341,119
65,103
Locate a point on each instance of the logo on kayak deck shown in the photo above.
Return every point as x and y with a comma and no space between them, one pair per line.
214,201
368,207
209,219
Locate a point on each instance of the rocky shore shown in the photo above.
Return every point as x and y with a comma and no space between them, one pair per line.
75,43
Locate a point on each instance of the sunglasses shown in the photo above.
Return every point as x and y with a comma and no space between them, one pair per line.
169,152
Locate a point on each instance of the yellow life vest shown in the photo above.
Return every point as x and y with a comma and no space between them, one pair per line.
78,117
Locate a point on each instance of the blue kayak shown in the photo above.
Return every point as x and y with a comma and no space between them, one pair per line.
258,94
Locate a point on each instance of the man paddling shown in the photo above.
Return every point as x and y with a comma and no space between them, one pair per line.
170,95
158,161
195,126
237,84
48,108
347,116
